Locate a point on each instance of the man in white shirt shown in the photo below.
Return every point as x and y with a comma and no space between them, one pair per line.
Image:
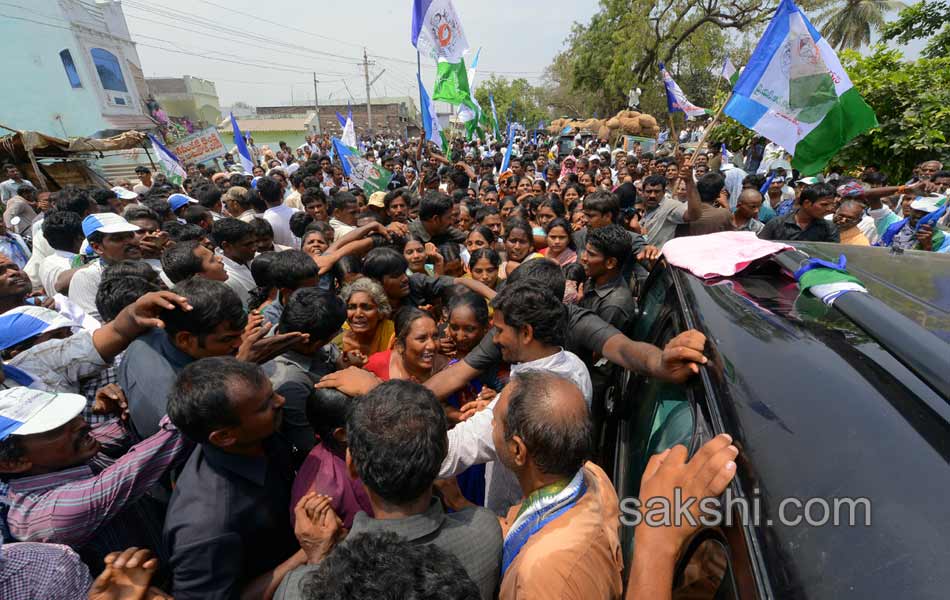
237,244
277,214
112,238
530,324
63,231
10,187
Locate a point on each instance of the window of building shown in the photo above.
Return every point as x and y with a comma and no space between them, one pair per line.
110,73
71,73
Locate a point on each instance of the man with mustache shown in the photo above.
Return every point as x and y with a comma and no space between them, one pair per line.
113,239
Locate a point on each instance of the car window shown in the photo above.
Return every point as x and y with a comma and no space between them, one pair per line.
654,305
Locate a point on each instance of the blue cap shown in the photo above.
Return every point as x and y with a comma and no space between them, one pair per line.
106,223
176,201
24,322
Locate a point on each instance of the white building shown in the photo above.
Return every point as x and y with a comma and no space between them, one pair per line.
71,69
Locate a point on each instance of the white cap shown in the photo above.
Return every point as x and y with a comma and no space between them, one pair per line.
927,204
124,194
25,411
106,223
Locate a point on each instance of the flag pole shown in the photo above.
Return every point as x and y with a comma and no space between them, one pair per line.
702,140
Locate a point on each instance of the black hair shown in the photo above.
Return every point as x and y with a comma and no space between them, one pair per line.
193,214
326,410
612,241
381,262
709,186
484,232
158,205
517,223
230,230
554,204
261,272
200,402
312,311
434,204
262,228
297,178
543,273
557,445
313,194
180,261
341,200
574,272
385,565
115,293
290,268
562,223
299,222
208,196
485,211
102,197
213,303
486,253
450,252
63,230
459,178
525,303
655,180
138,213
253,198
237,180
397,440
177,232
813,192
130,268
475,302
603,202
347,265
269,190
72,199
403,320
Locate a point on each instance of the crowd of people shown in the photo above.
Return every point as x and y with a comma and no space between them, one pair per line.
277,385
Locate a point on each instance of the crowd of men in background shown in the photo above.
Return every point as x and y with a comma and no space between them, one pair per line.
277,385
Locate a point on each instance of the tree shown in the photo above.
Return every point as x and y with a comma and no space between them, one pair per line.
625,40
912,103
849,25
515,99
923,20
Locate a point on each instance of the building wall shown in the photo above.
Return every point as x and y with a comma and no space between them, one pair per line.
389,118
191,97
37,94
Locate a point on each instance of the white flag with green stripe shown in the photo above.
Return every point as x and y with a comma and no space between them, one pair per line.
795,92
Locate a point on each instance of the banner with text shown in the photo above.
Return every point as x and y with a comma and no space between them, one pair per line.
200,146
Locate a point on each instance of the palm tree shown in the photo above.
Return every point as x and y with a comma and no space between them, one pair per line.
849,25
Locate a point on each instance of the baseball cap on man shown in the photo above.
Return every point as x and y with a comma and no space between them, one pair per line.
25,411
124,194
377,199
927,204
27,321
106,223
176,201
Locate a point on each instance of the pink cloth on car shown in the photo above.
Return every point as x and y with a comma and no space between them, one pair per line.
719,254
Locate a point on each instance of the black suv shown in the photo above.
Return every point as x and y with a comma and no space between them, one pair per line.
834,409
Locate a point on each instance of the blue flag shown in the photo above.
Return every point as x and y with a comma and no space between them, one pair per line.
341,119
246,162
765,186
430,120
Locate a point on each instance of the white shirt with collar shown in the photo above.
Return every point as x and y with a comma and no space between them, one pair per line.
239,278
279,219
470,442
84,285
51,268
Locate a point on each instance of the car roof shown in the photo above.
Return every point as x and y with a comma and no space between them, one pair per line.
821,410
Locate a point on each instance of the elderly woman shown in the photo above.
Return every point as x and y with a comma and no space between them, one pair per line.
368,328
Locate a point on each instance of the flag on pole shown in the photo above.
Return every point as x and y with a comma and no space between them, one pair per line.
724,161
341,119
470,113
494,116
168,162
430,119
676,99
437,32
662,137
246,162
370,177
507,158
349,129
795,92
729,71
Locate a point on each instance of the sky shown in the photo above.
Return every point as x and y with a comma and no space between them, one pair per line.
518,39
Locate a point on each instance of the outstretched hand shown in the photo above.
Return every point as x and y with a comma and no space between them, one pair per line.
127,576
681,357
316,526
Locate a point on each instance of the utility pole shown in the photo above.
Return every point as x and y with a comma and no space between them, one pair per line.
369,104
316,103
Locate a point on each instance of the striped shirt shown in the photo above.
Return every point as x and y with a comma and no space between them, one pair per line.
84,506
